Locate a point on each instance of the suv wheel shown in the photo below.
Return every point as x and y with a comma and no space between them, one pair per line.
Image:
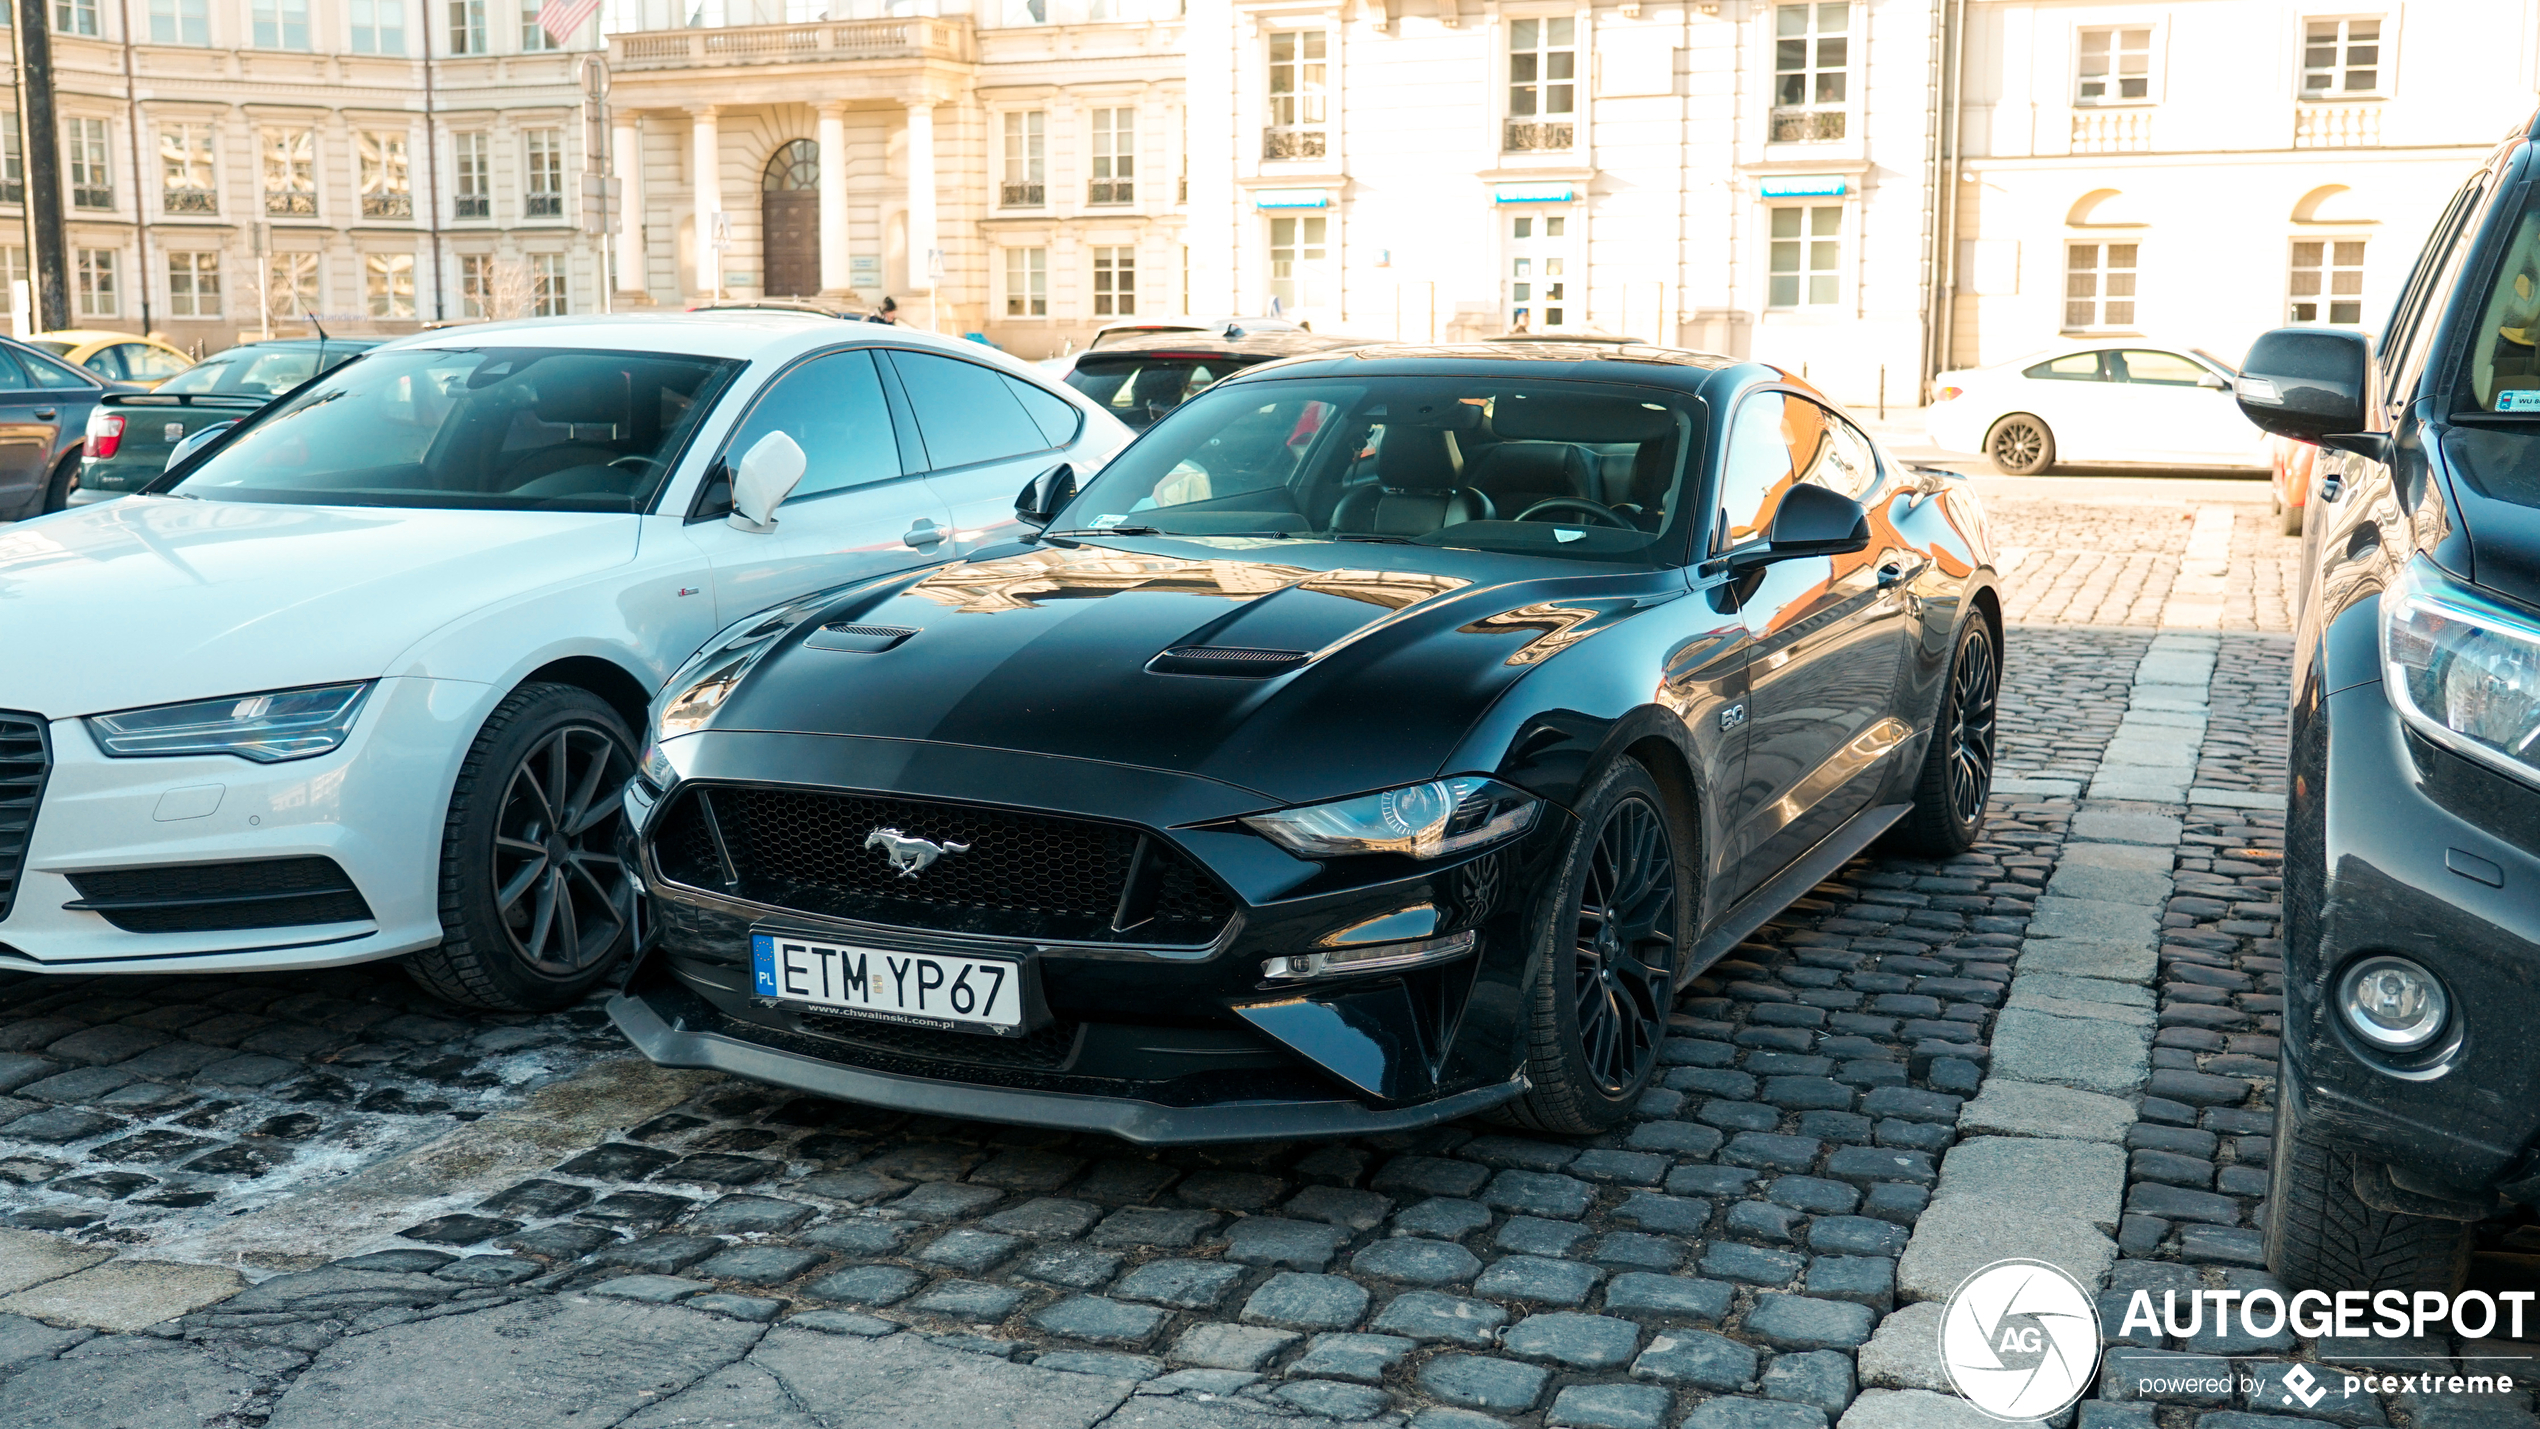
535,908
1957,772
2320,1235
2020,445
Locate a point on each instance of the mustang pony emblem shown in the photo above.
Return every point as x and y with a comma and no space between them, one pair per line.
910,856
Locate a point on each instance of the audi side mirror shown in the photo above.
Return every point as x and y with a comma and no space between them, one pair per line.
2309,384
2213,382
195,441
1811,521
769,472
1044,496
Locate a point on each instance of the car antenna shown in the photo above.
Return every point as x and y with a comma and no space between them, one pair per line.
323,339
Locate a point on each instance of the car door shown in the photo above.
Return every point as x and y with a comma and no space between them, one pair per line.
2173,413
26,439
860,509
1828,634
2070,394
984,434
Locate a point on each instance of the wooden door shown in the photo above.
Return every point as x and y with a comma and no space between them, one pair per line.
789,222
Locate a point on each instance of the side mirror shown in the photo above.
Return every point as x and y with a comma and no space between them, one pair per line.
769,472
2306,383
1811,521
195,441
2213,382
1044,496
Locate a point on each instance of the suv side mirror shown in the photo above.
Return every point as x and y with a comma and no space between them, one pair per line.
769,472
1811,521
195,441
2306,383
1044,496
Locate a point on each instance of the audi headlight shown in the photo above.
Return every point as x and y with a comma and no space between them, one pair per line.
2463,669
713,673
1429,820
267,728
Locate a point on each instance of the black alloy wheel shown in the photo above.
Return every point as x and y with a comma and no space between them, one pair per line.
1957,772
535,907
1612,937
2020,445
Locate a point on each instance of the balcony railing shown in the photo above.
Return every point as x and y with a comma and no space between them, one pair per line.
1535,136
545,205
1101,191
1022,195
2337,126
291,203
388,206
190,201
92,198
1807,126
1292,143
911,37
2112,131
473,206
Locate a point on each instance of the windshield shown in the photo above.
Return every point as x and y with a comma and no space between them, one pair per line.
1139,390
1578,470
472,428
52,345
257,372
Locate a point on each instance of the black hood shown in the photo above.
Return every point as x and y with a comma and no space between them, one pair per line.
1356,666
2496,486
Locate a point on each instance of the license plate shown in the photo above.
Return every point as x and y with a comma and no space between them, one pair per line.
923,989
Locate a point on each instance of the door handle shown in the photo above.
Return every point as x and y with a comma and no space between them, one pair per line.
924,533
47,413
1897,572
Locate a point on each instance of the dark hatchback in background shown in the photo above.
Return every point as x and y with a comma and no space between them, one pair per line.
130,435
1139,379
44,409
1384,737
2408,1101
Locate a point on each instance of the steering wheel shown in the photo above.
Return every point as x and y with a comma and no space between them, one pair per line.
1595,511
644,461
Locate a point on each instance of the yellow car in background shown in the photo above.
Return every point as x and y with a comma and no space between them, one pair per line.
115,356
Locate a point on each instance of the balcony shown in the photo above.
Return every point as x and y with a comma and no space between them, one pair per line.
291,203
1530,136
2111,131
2337,126
472,206
1806,126
184,200
910,37
1292,143
388,206
1110,191
544,205
1015,195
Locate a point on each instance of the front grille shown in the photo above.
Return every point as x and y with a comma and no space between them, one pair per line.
1047,1050
25,758
221,897
1014,874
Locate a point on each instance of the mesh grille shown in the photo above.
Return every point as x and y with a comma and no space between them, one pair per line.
1225,660
223,897
24,760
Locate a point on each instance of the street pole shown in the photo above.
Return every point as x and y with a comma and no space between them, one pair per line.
595,164
41,136
132,121
432,177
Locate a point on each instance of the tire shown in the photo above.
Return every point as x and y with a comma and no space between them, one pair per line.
535,908
1602,991
2020,445
2320,1235
57,491
1957,773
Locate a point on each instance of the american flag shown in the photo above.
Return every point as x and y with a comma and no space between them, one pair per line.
560,18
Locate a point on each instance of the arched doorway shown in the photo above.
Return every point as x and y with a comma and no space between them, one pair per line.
789,220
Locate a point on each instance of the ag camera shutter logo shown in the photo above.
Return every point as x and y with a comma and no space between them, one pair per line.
2020,1339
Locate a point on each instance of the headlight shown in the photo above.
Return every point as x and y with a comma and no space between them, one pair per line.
655,770
2463,669
713,673
2393,1003
268,728
1428,820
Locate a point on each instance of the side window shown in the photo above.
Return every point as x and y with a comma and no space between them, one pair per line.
107,362
12,376
1851,465
49,373
2410,316
965,412
1755,468
149,364
2156,369
1056,416
832,407
2071,367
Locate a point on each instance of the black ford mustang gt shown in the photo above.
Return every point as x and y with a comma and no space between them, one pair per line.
1384,737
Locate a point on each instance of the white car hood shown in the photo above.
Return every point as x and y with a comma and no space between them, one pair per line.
150,600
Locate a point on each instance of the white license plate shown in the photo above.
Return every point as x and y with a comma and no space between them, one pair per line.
925,989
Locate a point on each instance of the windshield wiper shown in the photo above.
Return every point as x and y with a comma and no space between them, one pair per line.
1083,532
1371,538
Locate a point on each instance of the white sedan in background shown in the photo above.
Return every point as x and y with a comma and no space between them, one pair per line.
362,679
2110,402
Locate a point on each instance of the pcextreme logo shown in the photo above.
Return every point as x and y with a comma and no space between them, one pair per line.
2020,1339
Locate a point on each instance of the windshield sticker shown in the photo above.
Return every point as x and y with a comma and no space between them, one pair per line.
2520,399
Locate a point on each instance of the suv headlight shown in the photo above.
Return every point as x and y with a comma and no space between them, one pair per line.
2463,669
1430,820
267,728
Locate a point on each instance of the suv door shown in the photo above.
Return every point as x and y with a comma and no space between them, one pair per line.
984,434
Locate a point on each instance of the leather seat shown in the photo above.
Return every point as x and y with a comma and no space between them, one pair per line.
1653,471
1516,475
1419,488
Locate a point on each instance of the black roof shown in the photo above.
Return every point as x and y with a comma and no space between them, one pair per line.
1252,347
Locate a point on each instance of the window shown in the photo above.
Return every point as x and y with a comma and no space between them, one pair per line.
467,27
387,191
12,160
1757,466
180,22
282,24
97,283
291,284
379,27
967,413
290,165
388,282
1296,261
75,17
1807,257
1027,12
2116,66
1115,282
1027,282
12,268
186,184
1025,160
547,295
1115,157
546,173
1299,91
2071,367
2099,285
2154,369
92,175
476,189
1542,83
2341,57
1538,272
194,285
1810,60
534,36
832,407
476,285
2330,270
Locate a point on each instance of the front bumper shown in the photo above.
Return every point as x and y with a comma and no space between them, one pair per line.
2434,857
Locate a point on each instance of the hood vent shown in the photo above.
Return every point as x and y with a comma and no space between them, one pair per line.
859,639
1227,660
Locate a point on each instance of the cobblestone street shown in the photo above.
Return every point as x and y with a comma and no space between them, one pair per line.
324,1199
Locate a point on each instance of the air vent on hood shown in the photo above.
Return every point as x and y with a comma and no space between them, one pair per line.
860,639
1226,660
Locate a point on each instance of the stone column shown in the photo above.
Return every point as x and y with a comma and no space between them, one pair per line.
834,279
706,179
626,159
921,201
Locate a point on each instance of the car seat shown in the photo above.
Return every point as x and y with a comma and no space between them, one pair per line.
1419,487
1516,475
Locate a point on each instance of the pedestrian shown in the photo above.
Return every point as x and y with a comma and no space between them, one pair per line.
889,313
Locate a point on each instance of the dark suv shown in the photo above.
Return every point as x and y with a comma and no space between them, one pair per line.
2408,1101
